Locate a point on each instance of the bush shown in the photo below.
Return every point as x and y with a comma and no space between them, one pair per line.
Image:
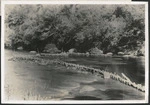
109,53
139,53
95,51
120,53
73,50
51,48
20,48
33,52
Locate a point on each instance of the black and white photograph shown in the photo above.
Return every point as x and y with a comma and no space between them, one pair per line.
76,52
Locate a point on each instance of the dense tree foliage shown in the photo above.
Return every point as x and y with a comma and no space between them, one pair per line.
111,28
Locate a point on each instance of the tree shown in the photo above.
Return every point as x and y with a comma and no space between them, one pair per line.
110,28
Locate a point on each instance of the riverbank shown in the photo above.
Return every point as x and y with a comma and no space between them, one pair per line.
89,55
66,54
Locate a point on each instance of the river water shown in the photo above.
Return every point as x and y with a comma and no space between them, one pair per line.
27,81
133,68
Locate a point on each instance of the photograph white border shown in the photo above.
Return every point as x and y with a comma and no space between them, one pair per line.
3,3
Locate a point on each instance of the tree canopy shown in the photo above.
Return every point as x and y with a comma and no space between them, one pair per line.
111,28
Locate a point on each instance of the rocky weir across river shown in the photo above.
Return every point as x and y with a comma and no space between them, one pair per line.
104,74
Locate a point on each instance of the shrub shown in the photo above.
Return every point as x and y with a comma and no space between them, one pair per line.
73,50
95,51
51,48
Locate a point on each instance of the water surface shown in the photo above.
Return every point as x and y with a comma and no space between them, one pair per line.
27,81
134,68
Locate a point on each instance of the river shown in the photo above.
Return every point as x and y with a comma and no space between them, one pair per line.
133,68
26,81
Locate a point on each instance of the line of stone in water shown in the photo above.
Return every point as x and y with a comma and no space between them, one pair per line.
103,73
